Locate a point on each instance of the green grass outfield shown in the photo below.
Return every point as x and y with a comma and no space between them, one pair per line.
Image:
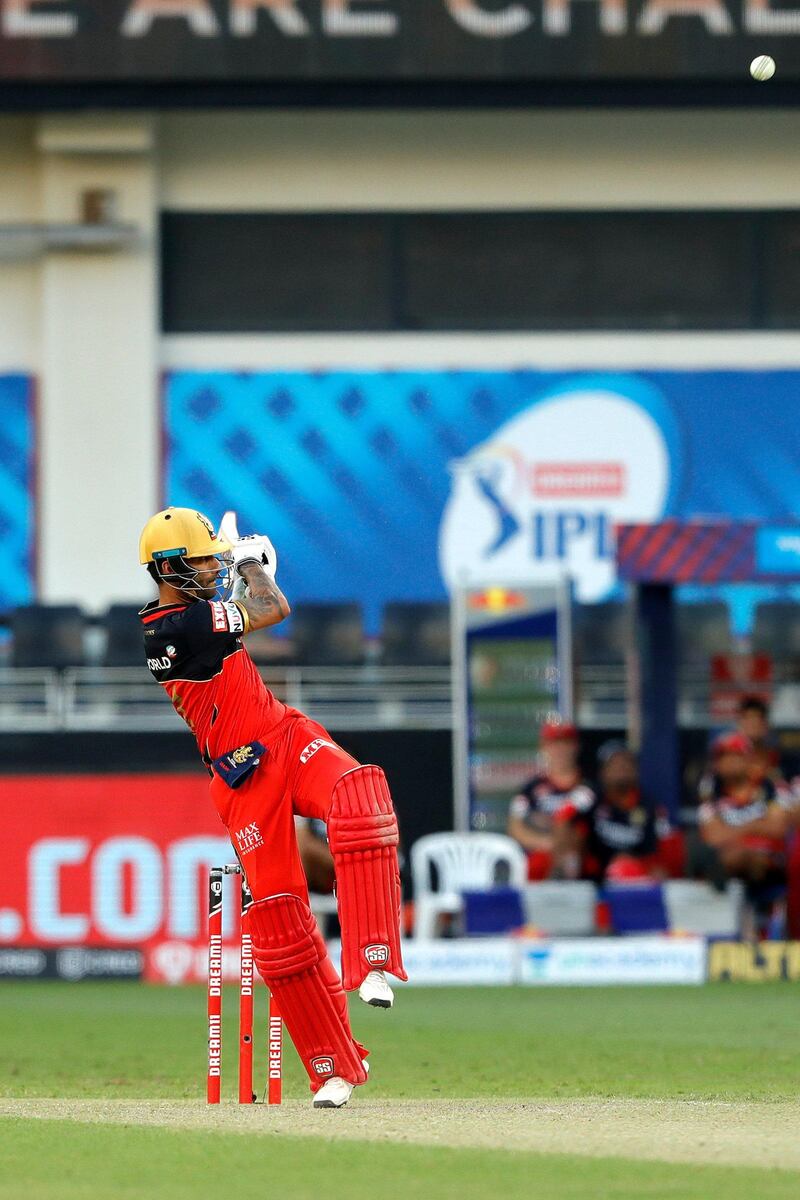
736,1043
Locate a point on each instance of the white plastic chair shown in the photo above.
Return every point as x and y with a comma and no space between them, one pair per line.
463,862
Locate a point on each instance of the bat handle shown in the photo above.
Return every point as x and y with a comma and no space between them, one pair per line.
228,527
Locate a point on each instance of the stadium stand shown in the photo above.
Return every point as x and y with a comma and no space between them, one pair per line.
48,635
703,630
123,631
601,633
415,635
328,635
776,629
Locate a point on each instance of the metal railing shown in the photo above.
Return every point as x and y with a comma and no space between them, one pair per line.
30,699
126,698
604,696
367,697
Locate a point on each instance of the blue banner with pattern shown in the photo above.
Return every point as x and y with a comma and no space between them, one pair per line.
17,490
391,485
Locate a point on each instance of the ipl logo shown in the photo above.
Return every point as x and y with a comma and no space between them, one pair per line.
540,498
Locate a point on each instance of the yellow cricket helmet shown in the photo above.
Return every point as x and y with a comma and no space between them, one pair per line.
178,534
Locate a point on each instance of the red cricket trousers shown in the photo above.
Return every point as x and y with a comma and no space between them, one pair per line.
296,776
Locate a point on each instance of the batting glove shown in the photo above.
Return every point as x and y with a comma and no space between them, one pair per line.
257,548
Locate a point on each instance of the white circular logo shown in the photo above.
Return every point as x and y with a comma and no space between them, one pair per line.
540,499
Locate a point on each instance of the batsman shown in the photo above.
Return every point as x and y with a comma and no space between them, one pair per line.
267,763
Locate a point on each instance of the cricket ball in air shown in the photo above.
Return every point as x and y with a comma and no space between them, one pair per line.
762,68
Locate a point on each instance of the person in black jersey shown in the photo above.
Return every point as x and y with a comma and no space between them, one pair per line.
533,809
617,838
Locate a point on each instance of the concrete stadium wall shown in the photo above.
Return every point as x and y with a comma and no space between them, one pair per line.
573,159
86,324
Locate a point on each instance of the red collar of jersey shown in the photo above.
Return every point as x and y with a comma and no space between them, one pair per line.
154,611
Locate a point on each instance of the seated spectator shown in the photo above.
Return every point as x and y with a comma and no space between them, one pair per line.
619,836
745,815
532,810
752,721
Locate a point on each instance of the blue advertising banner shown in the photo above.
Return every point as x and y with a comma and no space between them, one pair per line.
778,550
17,490
393,485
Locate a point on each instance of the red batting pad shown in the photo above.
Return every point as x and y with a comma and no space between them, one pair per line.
293,961
363,837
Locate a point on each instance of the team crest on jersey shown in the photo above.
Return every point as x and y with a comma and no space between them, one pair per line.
171,651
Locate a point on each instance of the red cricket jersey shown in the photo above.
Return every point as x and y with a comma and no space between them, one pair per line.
739,812
195,652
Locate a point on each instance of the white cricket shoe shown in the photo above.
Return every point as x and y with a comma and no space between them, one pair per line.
336,1092
376,991
333,1094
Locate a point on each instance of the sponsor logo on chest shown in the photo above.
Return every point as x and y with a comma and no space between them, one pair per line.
159,664
550,802
249,838
614,833
738,815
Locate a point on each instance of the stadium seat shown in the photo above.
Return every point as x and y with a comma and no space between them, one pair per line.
636,907
696,907
496,911
327,635
415,635
702,631
462,862
561,908
776,629
123,636
601,633
47,635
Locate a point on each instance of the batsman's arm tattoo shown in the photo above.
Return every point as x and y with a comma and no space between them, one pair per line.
265,604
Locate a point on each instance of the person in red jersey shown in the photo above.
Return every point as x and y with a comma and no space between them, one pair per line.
532,811
269,762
